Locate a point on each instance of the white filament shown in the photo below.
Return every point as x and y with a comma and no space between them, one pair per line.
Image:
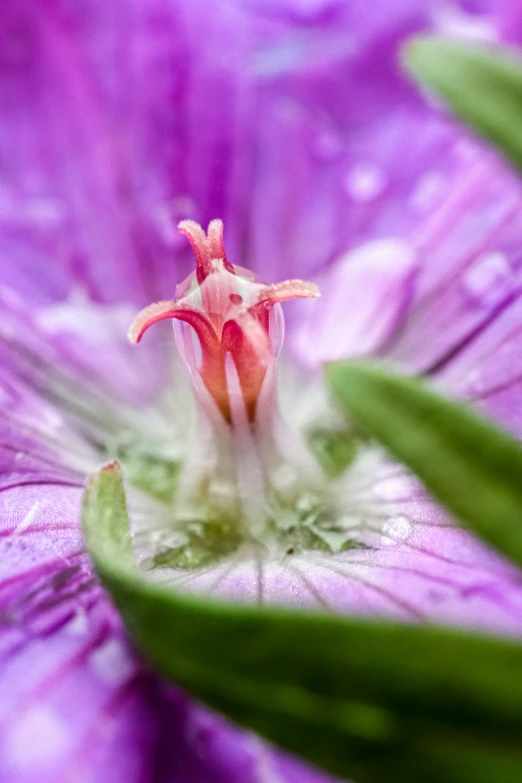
249,472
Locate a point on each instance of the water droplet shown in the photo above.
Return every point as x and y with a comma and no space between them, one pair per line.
365,182
36,741
426,191
395,531
488,279
113,663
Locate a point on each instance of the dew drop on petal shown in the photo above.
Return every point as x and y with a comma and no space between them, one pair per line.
112,662
395,531
36,741
488,279
426,191
364,182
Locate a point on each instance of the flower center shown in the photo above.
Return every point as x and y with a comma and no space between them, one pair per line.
247,478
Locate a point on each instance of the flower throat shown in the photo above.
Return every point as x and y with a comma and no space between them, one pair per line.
244,466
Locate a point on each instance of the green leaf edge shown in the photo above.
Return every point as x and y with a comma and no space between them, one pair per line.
464,74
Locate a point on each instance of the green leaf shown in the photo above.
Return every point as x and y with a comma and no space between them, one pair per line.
469,465
481,84
368,700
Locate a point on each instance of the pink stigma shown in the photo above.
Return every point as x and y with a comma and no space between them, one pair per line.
229,312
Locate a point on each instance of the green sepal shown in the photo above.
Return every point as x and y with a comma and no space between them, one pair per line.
365,699
469,465
481,84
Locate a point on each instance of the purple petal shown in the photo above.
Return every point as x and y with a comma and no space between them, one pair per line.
367,291
290,121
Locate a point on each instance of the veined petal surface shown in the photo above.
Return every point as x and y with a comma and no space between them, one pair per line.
291,122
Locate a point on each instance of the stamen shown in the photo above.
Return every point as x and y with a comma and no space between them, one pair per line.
160,311
288,289
229,313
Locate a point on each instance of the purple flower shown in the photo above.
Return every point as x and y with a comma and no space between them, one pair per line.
291,122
